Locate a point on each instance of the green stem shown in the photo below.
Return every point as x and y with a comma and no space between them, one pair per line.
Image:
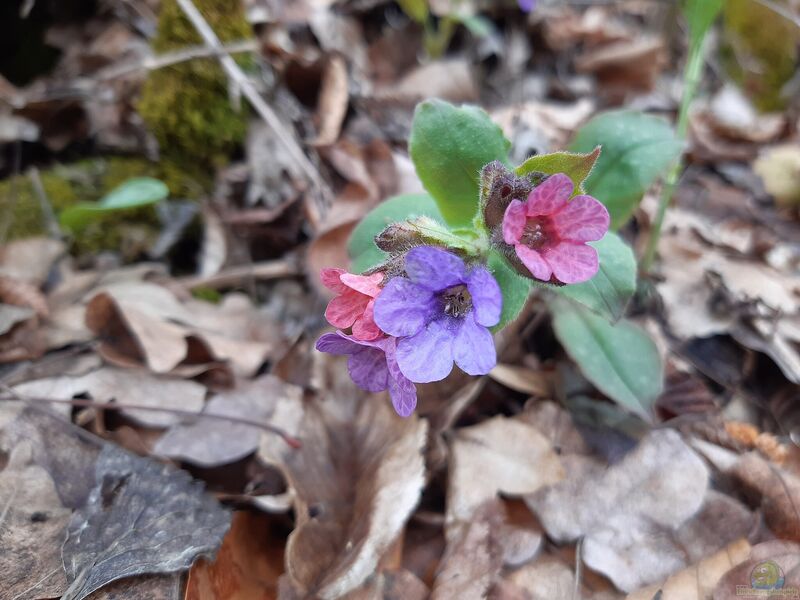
691,77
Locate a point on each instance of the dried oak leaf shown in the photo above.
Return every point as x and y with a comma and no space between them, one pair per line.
783,555
356,480
30,258
777,491
698,581
141,518
33,523
658,486
212,442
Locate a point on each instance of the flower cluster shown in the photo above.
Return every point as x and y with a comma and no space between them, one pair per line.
413,327
432,303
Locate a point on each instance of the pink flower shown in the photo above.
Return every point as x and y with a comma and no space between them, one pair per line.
352,307
549,231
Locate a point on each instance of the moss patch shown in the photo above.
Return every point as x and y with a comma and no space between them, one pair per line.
759,51
89,180
187,106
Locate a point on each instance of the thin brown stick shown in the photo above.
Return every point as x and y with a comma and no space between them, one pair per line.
264,111
273,269
81,403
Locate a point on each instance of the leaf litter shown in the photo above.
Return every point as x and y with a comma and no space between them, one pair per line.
525,484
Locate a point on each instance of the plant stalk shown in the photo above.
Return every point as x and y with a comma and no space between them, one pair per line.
691,77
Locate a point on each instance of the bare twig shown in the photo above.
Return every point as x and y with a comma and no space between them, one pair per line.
44,203
578,570
159,61
273,269
290,440
252,95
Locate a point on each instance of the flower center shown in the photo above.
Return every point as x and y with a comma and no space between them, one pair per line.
456,301
537,233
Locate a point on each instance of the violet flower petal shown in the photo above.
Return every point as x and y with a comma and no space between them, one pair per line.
583,219
550,195
403,394
473,348
433,268
487,299
337,343
534,261
526,6
572,262
428,355
514,222
403,307
368,369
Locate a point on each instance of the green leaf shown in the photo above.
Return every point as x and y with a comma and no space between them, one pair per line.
576,166
515,288
449,146
134,193
637,148
610,290
700,14
416,9
361,245
620,360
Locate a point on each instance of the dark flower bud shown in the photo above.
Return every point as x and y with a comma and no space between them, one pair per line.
499,186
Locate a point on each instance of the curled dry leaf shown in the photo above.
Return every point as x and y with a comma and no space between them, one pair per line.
212,442
333,100
356,480
20,292
775,489
626,65
11,315
658,486
698,581
30,259
522,379
546,579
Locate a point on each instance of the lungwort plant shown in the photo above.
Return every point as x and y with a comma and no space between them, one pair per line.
434,275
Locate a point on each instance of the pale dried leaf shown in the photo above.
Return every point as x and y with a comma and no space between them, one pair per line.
11,315
333,100
743,578
30,258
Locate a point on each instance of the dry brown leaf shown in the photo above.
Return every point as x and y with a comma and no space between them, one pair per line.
698,581
658,486
212,442
546,579
775,489
450,79
333,100
625,66
11,315
733,116
501,455
745,579
125,387
246,567
20,292
522,379
30,259
34,523
473,557
356,480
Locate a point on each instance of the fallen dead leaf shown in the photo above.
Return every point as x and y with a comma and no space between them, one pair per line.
247,565
333,100
212,442
522,379
30,259
775,489
750,574
698,581
779,169
355,484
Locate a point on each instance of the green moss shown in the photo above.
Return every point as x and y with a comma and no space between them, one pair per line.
759,50
187,106
89,180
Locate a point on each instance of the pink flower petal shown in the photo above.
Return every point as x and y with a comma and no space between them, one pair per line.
513,222
331,279
549,196
366,284
364,327
343,310
582,219
571,262
534,262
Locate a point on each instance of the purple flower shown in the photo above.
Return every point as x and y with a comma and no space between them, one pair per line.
526,5
440,314
373,367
